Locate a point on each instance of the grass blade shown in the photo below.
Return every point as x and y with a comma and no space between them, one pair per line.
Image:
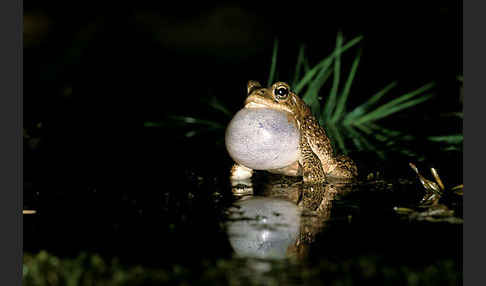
380,94
391,134
354,116
331,101
368,133
451,139
334,133
355,139
200,131
152,124
359,140
405,97
408,96
215,103
306,65
347,86
312,93
364,128
361,109
273,66
300,63
192,120
380,112
310,74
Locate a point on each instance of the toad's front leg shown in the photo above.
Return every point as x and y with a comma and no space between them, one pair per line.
312,171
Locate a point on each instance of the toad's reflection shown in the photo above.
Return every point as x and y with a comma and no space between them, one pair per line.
282,219
263,227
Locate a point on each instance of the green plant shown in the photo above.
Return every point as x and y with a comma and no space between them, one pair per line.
333,110
193,126
358,124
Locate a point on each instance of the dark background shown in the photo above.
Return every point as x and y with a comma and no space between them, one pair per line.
94,73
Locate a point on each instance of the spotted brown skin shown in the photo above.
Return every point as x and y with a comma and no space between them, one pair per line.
316,160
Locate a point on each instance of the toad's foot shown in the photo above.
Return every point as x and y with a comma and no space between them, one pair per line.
345,168
239,172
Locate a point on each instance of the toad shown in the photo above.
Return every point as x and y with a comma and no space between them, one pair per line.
315,160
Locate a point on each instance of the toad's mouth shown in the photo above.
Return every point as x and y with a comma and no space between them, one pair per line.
257,102
255,105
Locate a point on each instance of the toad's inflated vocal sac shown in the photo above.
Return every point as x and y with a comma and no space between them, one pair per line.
276,132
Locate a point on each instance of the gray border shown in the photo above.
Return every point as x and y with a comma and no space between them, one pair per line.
11,191
473,55
11,27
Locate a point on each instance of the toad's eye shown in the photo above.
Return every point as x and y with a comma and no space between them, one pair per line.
282,92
